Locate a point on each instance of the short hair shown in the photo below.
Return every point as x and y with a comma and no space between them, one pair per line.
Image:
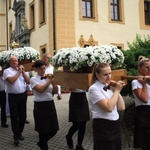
39,63
44,55
12,56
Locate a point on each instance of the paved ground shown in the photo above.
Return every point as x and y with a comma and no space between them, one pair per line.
59,141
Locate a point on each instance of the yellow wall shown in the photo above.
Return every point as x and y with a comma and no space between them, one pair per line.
2,26
105,32
69,25
65,23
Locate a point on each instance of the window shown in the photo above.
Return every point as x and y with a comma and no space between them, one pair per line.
116,11
42,11
144,14
43,49
32,16
88,10
114,8
10,32
147,12
9,4
119,46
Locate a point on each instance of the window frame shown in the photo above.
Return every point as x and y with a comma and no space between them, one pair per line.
94,12
10,32
143,26
9,4
115,14
121,19
42,12
32,16
44,46
118,45
147,13
86,8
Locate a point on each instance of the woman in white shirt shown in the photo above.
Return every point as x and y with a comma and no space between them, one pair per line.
104,105
45,116
141,92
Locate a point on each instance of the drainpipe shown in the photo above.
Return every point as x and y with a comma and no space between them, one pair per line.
7,25
54,23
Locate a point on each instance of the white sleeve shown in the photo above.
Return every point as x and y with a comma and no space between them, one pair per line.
33,82
135,84
95,95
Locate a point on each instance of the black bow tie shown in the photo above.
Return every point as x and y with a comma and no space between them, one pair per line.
106,87
43,78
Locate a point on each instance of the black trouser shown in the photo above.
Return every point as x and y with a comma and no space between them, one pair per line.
17,105
80,127
147,148
44,138
3,107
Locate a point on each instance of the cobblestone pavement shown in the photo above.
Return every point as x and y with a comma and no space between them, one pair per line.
58,142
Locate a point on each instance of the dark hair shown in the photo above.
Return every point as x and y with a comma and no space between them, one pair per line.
97,69
142,60
39,63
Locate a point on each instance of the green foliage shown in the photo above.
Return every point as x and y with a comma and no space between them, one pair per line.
137,48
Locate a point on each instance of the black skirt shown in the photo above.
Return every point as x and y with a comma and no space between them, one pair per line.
142,127
106,134
45,117
78,107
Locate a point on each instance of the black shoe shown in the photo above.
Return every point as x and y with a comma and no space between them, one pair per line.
69,141
21,138
39,145
16,142
42,147
26,121
79,147
5,125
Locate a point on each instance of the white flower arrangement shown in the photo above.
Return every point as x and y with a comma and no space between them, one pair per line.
21,53
78,58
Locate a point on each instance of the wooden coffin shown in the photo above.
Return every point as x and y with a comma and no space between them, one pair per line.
81,80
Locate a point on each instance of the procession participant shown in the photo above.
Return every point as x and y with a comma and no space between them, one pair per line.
104,103
78,115
15,79
50,70
141,92
45,116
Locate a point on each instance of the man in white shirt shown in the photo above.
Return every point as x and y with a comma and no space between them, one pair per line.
16,80
50,70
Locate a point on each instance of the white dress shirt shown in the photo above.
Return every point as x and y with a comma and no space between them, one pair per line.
97,93
136,84
46,95
18,86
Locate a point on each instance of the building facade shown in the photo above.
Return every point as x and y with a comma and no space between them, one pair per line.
2,25
48,25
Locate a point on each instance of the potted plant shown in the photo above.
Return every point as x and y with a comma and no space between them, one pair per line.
22,53
76,58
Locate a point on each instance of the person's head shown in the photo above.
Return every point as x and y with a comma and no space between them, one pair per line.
39,67
13,62
144,65
46,57
101,72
